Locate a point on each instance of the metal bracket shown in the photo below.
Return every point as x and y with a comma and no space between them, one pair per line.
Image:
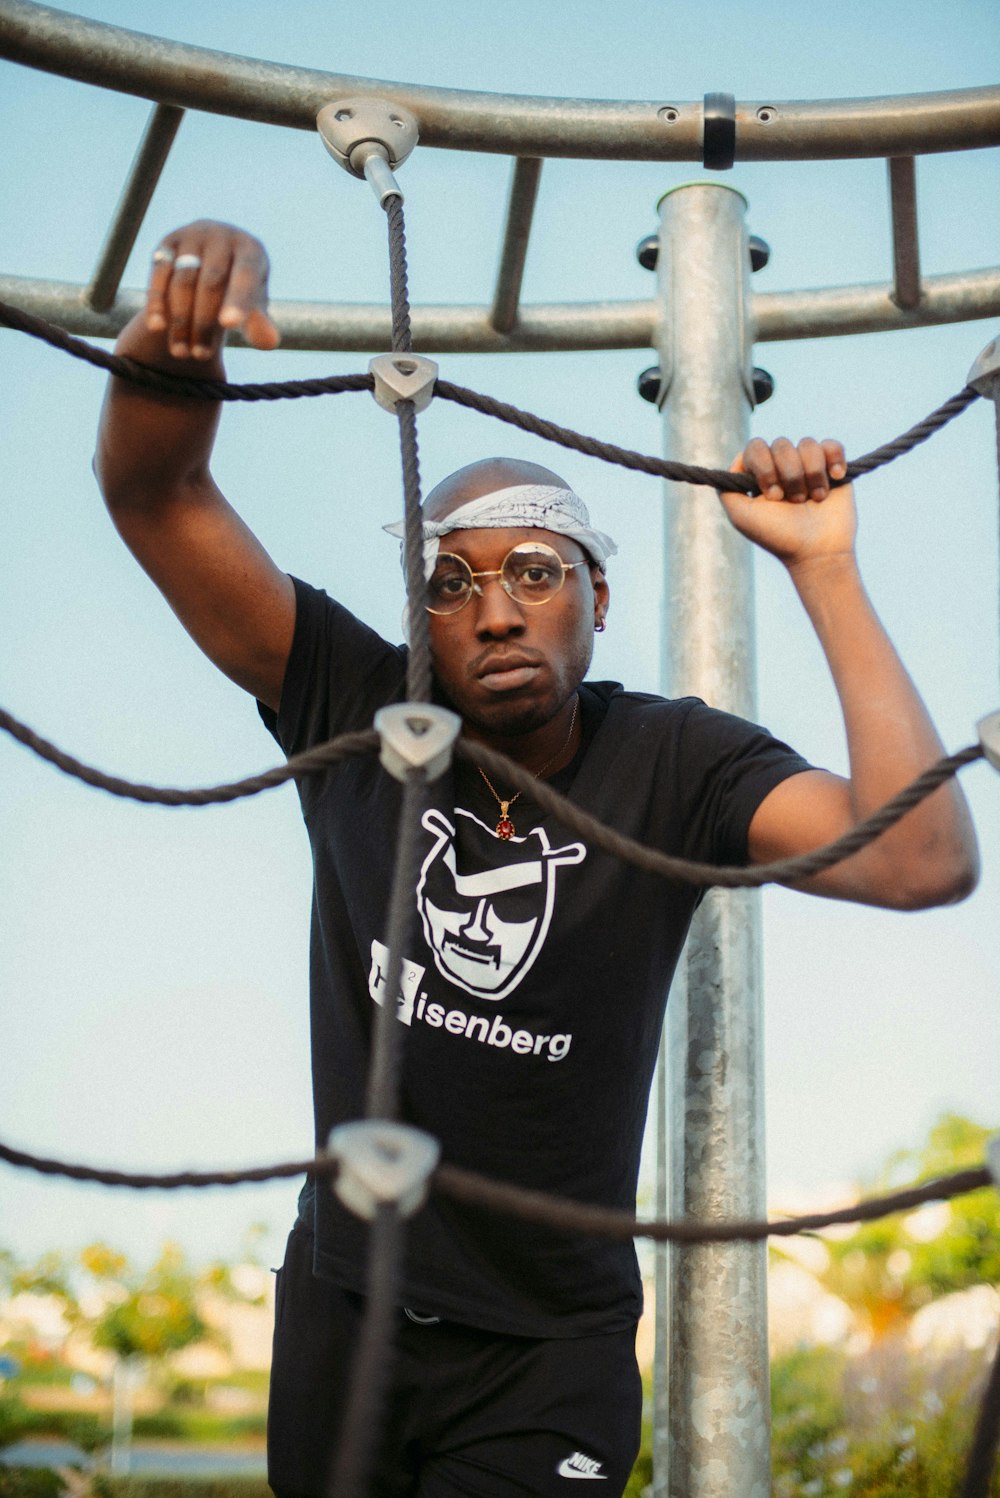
382,1164
985,371
718,150
993,1157
416,736
988,729
368,137
403,377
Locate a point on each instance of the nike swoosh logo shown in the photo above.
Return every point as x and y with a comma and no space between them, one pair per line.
564,1469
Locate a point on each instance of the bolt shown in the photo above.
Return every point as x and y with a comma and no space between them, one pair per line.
766,113
344,114
647,251
760,252
763,385
648,384
668,113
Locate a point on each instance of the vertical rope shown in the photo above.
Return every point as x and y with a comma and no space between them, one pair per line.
364,1416
382,1099
364,1413
982,1457
402,340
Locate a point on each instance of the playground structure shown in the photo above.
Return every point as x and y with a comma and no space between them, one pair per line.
702,324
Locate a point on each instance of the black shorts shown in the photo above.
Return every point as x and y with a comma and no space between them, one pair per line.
470,1414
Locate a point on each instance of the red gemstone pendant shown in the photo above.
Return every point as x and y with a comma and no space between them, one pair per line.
505,828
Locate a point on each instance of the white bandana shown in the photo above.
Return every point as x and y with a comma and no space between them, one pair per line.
521,507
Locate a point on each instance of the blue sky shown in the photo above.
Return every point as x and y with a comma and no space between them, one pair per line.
153,963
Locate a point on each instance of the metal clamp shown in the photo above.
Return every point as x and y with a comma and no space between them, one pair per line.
718,148
403,377
988,729
382,1164
416,736
993,1157
986,370
368,137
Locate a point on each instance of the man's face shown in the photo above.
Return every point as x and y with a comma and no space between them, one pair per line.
508,667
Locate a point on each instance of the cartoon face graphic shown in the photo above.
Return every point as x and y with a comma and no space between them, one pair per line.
484,919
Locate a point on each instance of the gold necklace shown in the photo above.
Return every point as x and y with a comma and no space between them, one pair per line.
505,827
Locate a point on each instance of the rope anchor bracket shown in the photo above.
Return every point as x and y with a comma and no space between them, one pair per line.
382,1164
416,736
403,377
368,137
988,729
985,373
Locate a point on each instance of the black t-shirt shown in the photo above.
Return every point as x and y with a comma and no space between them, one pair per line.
534,983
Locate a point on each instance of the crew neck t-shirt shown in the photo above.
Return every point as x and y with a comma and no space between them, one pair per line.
534,979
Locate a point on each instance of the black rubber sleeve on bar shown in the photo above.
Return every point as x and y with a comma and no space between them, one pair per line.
719,140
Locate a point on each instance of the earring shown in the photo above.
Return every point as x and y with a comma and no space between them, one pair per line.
600,626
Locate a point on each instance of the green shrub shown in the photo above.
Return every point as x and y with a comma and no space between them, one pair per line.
104,1486
29,1482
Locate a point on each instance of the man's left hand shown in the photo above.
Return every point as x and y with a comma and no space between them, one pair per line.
797,516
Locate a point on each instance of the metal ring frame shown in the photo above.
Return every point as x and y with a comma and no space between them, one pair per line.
176,77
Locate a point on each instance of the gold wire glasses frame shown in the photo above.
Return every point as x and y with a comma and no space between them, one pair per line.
530,573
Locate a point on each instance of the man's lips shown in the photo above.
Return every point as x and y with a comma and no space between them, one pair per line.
506,673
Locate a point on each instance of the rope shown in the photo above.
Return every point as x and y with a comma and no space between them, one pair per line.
686,473
689,473
369,1386
986,1439
652,861
320,758
383,1077
539,1207
310,762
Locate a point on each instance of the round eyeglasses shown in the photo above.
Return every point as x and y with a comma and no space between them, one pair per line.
530,573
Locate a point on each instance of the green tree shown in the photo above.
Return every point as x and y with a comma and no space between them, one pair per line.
885,1271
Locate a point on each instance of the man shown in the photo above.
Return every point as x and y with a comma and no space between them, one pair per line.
534,985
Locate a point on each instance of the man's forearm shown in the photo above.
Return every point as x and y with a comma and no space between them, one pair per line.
890,735
151,446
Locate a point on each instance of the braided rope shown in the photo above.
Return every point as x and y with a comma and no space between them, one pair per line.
687,473
320,758
310,762
539,1207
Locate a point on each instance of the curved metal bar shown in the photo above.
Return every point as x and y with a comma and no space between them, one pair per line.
518,125
553,327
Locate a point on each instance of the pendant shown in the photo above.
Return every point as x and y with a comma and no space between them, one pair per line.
505,827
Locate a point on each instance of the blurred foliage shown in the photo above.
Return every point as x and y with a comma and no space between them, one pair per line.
886,1271
105,1486
29,1482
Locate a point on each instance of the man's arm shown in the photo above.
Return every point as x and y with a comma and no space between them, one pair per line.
153,453
930,857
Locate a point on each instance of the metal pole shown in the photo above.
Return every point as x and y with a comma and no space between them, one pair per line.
719,1404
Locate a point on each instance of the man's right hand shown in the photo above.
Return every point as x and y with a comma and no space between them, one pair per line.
206,278
154,450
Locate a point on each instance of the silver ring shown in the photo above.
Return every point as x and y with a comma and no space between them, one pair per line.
163,256
187,262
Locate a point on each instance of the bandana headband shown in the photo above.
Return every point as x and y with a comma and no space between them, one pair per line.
520,507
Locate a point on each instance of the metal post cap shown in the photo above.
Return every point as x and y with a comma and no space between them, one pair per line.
382,1164
347,125
416,736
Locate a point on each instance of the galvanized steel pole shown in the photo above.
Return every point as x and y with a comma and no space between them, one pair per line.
719,1405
